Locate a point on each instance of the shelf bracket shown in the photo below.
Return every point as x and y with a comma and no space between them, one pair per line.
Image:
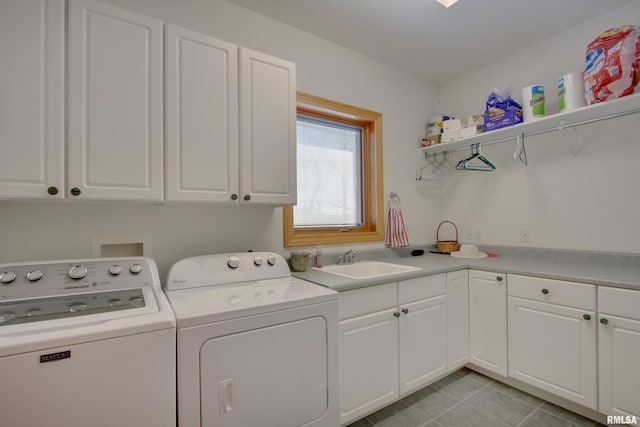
520,152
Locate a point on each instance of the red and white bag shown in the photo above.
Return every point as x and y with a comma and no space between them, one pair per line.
612,63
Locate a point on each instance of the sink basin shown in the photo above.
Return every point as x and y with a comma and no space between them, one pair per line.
366,269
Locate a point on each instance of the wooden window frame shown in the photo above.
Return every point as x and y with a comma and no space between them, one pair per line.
373,207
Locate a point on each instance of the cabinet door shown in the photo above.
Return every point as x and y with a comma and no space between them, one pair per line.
368,363
458,319
619,373
553,347
422,342
115,103
267,129
201,117
488,321
32,99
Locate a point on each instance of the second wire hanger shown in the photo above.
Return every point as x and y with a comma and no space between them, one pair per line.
476,154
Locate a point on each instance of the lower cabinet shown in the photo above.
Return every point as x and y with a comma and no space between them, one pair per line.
398,337
394,339
618,350
458,319
552,337
422,339
488,321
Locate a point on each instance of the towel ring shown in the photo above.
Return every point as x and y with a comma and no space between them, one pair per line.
393,196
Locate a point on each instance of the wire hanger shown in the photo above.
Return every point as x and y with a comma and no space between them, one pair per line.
520,152
431,160
465,164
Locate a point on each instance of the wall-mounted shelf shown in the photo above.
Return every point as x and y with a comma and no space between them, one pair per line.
589,114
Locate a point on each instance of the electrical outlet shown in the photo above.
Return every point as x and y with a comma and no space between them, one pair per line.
469,235
477,235
525,236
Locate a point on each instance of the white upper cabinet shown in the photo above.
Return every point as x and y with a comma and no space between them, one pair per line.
267,129
201,117
231,116
32,99
115,135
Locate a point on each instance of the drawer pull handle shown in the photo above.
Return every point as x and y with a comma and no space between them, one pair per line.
586,317
405,310
396,314
545,291
604,321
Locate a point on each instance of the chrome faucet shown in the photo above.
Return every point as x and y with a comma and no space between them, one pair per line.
349,257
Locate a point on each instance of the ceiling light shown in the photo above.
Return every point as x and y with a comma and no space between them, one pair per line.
446,3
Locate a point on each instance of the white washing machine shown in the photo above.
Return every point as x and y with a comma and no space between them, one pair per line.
88,342
256,346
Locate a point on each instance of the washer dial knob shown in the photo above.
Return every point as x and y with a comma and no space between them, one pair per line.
115,270
77,272
233,262
34,275
135,269
271,260
257,261
7,277
74,308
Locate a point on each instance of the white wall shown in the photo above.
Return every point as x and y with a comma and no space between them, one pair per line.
64,230
580,188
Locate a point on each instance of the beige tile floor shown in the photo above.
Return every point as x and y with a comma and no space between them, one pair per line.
466,398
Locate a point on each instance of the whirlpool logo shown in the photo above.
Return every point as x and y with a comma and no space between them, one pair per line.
53,357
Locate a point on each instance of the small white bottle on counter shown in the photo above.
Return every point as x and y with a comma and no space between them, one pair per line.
318,262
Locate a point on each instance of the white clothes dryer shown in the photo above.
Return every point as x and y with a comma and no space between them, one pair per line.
256,346
87,342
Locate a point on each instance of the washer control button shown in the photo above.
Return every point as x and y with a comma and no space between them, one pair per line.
34,275
7,277
74,308
135,269
34,312
233,262
115,302
271,259
7,315
77,272
137,301
115,270
257,261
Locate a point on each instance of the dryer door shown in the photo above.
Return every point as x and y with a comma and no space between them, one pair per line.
281,384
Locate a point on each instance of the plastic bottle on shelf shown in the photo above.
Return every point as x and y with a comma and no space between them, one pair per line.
318,262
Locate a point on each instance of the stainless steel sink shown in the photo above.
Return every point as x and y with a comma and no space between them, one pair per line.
366,269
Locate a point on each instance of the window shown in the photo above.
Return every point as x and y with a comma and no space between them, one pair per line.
339,168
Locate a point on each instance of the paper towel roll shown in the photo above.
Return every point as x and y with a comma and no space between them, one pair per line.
532,102
571,91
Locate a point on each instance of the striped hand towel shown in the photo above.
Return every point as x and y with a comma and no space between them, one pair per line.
395,232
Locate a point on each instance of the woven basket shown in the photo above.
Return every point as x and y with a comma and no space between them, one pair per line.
447,246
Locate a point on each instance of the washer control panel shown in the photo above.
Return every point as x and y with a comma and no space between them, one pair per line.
32,280
224,269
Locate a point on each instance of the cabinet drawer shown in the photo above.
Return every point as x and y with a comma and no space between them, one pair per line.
619,302
421,288
357,302
578,295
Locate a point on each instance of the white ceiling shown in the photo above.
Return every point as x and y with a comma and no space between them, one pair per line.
428,39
